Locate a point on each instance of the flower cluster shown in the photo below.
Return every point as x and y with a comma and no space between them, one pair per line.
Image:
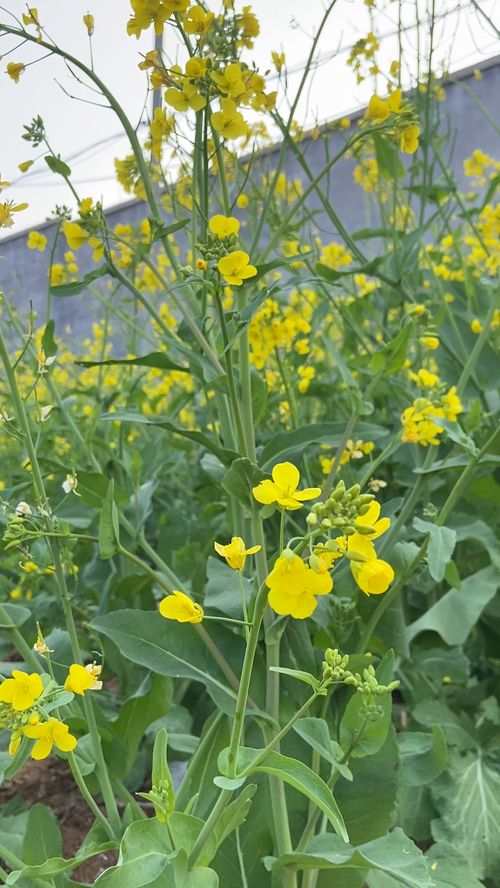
23,701
421,421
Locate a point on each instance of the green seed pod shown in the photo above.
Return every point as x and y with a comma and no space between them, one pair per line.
364,529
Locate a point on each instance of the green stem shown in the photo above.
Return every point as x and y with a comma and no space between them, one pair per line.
82,786
43,505
19,643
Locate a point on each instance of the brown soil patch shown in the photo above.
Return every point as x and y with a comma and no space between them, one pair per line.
51,783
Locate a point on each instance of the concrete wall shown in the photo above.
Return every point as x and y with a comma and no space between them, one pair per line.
469,102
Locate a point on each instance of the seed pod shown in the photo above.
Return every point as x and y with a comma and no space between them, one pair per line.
364,529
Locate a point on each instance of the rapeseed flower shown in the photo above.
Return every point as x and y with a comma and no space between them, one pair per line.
36,241
180,607
83,678
294,586
283,488
22,690
47,734
75,235
229,122
408,141
235,268
235,552
223,226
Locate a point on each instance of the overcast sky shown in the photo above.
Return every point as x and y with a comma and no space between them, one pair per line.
86,136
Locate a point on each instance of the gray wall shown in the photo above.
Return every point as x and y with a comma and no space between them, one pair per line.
23,273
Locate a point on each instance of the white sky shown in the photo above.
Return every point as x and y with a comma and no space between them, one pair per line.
462,38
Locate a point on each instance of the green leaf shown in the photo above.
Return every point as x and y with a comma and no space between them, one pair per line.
225,456
457,612
315,732
92,487
457,729
13,615
166,647
331,432
392,357
450,870
230,783
388,159
222,589
73,288
363,737
468,801
141,871
394,854
235,814
49,344
300,675
57,166
440,548
109,527
158,360
423,757
298,775
240,478
151,701
42,839
333,276
56,865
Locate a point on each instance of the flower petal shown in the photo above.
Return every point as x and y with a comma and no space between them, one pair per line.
308,493
266,492
286,476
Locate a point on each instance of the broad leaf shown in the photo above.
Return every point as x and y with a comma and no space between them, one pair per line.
331,432
225,456
468,800
315,732
240,478
42,839
440,548
298,775
167,648
423,756
73,288
158,360
56,865
394,854
457,612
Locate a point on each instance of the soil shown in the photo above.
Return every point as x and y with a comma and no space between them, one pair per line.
51,783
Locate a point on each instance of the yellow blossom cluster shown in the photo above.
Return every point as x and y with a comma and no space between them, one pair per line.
421,421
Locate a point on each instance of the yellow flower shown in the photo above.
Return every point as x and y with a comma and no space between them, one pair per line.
46,735
25,165
187,97
283,488
278,60
408,141
356,541
36,241
476,326
378,109
235,268
235,552
228,121
197,21
223,226
242,201
75,235
373,576
14,70
201,264
430,342
230,82
418,424
294,586
394,101
83,678
451,405
180,607
6,210
22,690
88,21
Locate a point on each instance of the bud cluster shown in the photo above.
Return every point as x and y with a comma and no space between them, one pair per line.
335,666
340,512
216,247
12,720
